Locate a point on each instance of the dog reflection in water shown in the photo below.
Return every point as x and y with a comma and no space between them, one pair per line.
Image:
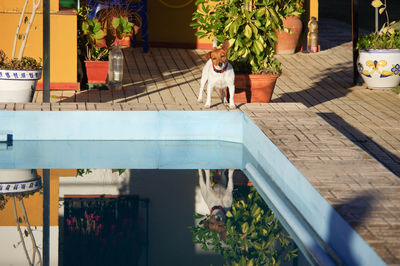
217,193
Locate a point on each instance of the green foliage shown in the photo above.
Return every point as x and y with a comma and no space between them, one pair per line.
387,38
93,42
81,172
254,235
122,26
379,41
26,63
249,26
396,89
292,7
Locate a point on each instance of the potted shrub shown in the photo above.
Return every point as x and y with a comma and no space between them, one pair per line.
250,27
288,38
123,31
94,47
379,54
19,76
121,23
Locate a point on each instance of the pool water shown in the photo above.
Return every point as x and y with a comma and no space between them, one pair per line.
142,203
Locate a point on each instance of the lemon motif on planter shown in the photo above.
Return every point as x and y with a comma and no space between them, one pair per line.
375,65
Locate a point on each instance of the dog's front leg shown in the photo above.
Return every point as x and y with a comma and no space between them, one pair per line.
231,96
210,87
230,180
203,81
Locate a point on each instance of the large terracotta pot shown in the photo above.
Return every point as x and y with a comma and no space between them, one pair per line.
287,42
18,86
96,71
380,69
254,88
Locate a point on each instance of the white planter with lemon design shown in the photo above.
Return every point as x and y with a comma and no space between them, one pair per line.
380,69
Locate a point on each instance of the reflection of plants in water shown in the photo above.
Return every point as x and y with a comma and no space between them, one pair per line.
81,172
28,232
253,234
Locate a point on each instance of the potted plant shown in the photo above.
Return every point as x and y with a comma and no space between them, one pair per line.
379,54
120,22
291,10
19,76
94,47
123,31
250,27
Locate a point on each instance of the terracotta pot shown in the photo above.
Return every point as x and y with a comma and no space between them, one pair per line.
253,88
287,42
124,42
96,71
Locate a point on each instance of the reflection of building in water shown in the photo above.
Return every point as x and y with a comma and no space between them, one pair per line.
174,197
11,248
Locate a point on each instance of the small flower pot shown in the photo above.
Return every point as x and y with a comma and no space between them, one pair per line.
96,71
18,86
380,69
254,88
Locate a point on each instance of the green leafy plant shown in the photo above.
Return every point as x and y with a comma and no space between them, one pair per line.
123,28
25,63
250,27
387,38
379,41
396,89
96,45
253,234
292,8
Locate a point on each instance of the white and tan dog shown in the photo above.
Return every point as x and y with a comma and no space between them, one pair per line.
219,74
218,197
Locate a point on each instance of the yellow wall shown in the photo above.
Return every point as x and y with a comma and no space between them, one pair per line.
313,9
17,5
63,37
34,204
171,25
63,43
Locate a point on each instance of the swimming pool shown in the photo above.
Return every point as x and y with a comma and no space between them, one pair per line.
317,229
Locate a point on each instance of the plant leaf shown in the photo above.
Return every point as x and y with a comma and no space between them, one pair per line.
376,3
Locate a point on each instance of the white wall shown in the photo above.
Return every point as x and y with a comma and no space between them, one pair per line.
16,256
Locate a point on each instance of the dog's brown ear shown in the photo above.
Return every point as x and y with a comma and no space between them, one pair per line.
207,55
225,46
